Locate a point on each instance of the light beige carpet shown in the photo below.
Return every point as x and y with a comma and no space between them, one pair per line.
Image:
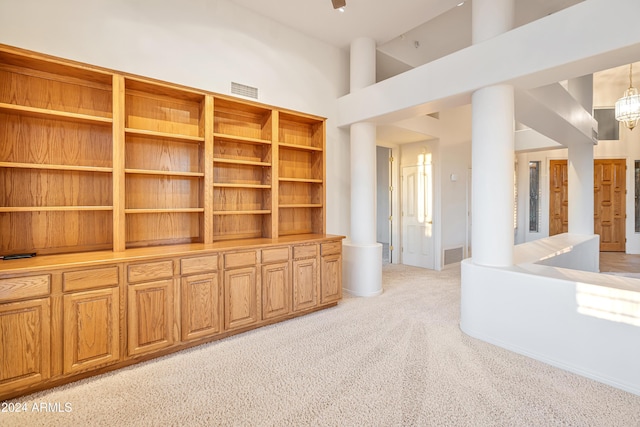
399,359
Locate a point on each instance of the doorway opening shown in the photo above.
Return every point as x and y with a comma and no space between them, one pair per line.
384,202
609,189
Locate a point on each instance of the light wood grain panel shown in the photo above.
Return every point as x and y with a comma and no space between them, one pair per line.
39,187
90,279
241,174
163,154
330,278
276,290
118,155
291,193
149,271
240,259
150,229
91,329
163,114
305,251
159,191
242,119
150,316
300,130
41,232
54,94
275,255
331,248
230,149
241,199
24,287
207,168
52,68
31,140
305,283
300,221
201,264
228,227
25,350
201,310
240,291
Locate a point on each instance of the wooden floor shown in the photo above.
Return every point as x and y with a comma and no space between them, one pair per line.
619,262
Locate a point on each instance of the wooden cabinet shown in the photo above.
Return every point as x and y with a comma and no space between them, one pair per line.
305,277
150,307
331,271
240,288
25,349
91,318
276,283
201,313
91,329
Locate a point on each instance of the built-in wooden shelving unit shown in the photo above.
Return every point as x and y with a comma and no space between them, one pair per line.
92,159
162,217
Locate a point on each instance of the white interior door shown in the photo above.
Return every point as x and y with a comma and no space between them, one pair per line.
417,216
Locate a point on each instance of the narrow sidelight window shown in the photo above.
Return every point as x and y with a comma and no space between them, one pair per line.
534,196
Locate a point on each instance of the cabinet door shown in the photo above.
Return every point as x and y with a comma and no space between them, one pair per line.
200,306
241,299
276,292
150,309
305,283
24,354
91,329
330,278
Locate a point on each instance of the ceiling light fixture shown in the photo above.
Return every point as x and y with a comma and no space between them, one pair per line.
339,4
628,107
460,4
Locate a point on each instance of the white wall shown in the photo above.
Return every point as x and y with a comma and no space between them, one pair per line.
580,321
205,44
455,154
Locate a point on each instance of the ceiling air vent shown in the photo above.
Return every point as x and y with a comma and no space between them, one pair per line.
244,90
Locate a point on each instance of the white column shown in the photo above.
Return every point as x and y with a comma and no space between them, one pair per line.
581,88
362,255
580,166
492,149
580,176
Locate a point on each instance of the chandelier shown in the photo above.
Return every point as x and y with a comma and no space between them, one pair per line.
628,107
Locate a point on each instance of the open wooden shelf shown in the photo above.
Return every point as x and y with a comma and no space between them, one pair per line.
136,162
239,212
241,162
55,208
53,114
220,137
299,147
163,135
55,167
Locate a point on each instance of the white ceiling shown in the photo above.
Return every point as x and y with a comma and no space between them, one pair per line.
412,32
408,33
